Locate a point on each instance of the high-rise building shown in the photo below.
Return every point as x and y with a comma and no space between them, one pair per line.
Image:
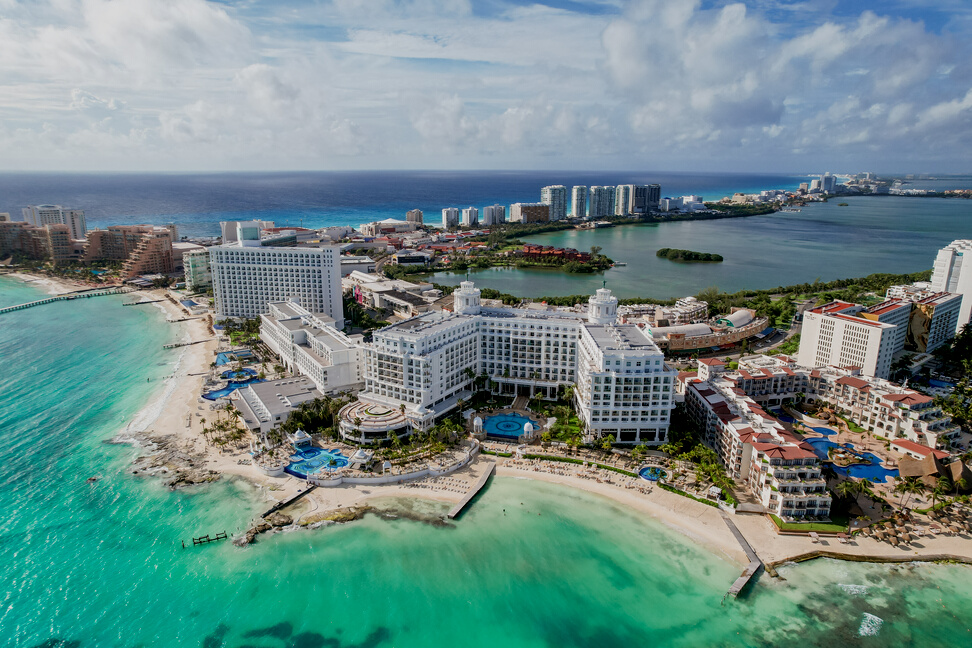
470,217
602,202
41,215
578,202
199,275
828,183
556,197
247,276
450,217
622,199
836,335
414,216
229,230
952,274
636,200
494,215
529,213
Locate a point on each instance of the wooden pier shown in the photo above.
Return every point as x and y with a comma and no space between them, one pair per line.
83,294
140,303
176,345
755,564
457,509
286,503
206,539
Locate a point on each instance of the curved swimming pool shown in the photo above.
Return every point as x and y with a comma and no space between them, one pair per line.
652,473
311,461
869,468
508,425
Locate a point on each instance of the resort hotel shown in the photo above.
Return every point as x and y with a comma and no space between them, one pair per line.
417,370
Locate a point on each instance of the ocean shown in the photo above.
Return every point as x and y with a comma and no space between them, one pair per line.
196,203
530,565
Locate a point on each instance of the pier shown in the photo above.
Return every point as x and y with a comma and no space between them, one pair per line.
754,562
97,292
206,539
176,345
288,502
478,486
140,303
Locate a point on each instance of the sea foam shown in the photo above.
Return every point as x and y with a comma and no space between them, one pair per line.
870,625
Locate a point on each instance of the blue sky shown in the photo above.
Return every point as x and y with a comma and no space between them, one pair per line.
761,85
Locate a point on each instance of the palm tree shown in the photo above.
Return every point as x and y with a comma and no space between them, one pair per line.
608,442
846,489
909,486
960,484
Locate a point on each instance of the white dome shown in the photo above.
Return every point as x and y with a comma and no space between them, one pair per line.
528,428
477,423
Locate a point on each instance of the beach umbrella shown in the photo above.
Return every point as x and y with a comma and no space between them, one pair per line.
894,541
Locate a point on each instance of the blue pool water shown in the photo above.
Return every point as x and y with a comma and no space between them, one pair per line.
224,358
652,473
310,461
231,386
824,431
243,373
509,426
870,467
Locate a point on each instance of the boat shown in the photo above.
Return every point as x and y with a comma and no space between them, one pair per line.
620,263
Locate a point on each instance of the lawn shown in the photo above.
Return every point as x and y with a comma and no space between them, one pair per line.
834,526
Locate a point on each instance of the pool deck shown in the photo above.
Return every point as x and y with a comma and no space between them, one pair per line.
478,486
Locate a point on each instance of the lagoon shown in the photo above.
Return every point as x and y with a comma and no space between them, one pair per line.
823,241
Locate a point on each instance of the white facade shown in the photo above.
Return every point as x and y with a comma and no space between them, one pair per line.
414,216
556,197
470,217
494,215
429,362
578,202
834,335
248,277
622,199
602,202
450,217
310,345
41,215
952,274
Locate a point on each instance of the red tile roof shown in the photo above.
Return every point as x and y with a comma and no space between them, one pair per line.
712,362
910,398
917,448
856,383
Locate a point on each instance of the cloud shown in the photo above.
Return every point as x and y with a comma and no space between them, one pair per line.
760,84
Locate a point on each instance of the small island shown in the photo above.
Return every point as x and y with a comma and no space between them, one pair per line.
688,255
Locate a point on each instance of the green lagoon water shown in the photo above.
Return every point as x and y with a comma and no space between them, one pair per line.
530,565
823,241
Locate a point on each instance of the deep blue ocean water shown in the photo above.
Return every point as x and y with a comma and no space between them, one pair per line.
198,202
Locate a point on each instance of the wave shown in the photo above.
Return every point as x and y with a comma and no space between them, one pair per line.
870,625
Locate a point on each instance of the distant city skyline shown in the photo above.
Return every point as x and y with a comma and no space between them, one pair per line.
699,85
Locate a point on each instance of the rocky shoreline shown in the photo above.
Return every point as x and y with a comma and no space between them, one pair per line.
161,457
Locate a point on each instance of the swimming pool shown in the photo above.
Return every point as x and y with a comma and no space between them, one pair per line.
507,426
226,357
230,387
824,431
652,473
242,374
870,467
310,461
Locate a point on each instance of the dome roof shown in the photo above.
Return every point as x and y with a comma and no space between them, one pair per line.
527,427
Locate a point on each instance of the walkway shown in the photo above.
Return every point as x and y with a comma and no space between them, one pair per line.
478,486
84,294
754,562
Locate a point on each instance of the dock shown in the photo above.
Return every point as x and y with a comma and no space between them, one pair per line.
755,564
140,303
478,486
84,294
279,505
176,345
206,539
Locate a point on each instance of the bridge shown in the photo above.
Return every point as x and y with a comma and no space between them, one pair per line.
81,294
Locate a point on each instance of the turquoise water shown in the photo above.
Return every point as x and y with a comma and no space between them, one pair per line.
531,564
310,461
823,241
509,425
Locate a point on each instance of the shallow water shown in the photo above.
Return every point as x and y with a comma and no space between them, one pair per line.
530,564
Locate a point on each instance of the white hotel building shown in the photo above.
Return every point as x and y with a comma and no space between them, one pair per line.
952,274
427,363
247,277
836,335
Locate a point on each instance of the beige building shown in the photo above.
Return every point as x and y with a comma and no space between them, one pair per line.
529,213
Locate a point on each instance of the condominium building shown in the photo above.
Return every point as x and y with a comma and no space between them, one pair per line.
470,217
934,321
836,335
529,213
229,230
578,202
556,197
428,363
896,312
602,202
199,276
450,217
41,215
622,199
777,466
414,216
952,274
309,344
494,215
247,277
635,200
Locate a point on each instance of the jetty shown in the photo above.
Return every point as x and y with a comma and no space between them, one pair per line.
755,564
141,303
82,294
206,539
176,345
288,502
478,486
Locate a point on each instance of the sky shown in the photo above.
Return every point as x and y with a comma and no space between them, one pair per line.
676,85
